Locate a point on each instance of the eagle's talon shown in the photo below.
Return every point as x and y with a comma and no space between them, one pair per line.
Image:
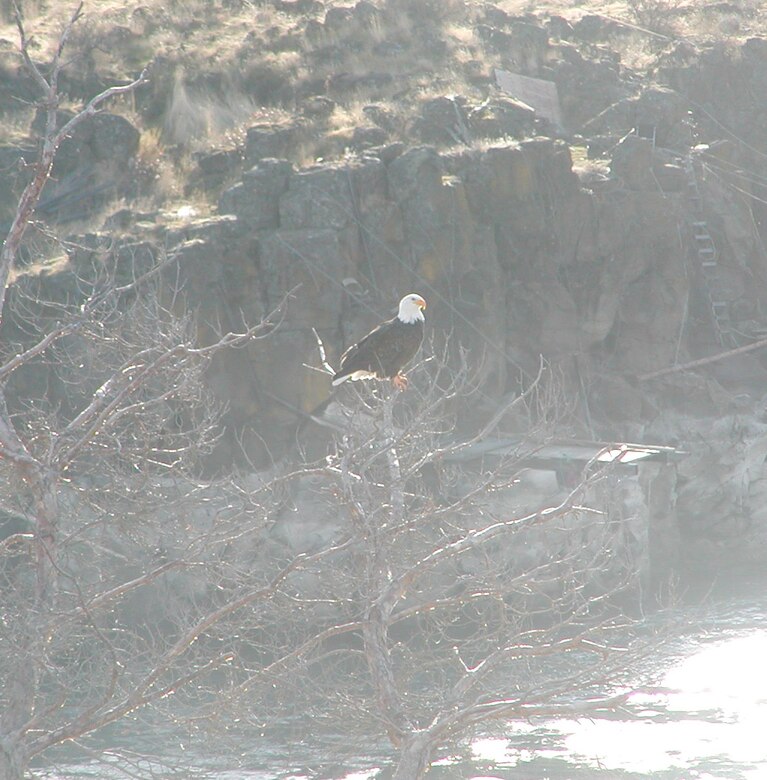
400,382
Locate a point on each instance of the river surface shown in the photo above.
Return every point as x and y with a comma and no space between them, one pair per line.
706,719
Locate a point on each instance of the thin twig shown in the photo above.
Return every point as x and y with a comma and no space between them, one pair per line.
327,368
703,361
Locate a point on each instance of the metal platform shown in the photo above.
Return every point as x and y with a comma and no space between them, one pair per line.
569,457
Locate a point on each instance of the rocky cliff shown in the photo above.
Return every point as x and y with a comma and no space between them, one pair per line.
627,241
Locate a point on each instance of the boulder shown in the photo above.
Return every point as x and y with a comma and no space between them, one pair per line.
383,117
416,186
510,184
657,113
338,20
443,120
313,261
270,141
113,139
126,218
214,169
298,7
502,117
101,138
368,137
255,200
318,107
333,196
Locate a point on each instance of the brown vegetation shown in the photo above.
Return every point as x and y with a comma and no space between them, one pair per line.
220,67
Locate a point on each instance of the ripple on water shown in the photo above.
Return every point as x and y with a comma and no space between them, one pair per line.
709,720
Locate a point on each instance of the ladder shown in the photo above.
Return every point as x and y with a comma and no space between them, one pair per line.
708,257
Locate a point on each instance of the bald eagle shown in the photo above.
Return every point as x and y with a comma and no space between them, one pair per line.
384,352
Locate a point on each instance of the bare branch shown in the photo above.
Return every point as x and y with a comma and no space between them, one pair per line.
94,105
326,367
24,357
144,691
12,448
24,46
108,597
31,194
105,406
703,361
397,588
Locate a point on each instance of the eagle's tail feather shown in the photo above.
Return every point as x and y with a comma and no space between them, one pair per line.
360,373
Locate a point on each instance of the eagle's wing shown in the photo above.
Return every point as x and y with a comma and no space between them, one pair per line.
365,354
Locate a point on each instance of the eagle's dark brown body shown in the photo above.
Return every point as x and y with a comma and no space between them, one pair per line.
382,353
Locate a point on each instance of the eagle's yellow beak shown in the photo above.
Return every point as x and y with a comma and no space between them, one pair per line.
421,303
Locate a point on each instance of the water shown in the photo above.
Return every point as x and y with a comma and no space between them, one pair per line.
711,722
706,719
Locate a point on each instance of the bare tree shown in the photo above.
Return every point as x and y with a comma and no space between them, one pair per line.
87,475
459,599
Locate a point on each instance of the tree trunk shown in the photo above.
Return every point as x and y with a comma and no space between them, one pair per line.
46,504
19,696
414,757
382,674
12,759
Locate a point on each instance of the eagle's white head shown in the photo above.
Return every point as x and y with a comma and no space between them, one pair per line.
411,309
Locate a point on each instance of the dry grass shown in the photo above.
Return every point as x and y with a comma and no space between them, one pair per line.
14,126
222,66
659,16
46,267
195,113
161,172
